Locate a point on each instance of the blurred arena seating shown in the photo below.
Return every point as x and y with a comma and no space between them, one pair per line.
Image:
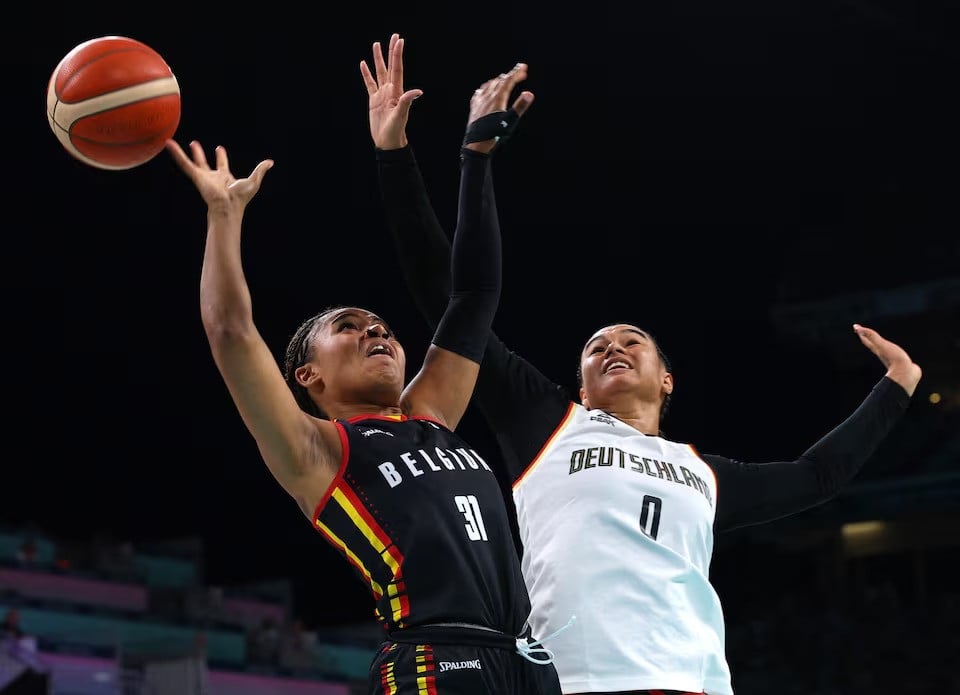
835,601
853,597
109,619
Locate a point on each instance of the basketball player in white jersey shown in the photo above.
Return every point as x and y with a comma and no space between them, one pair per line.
617,522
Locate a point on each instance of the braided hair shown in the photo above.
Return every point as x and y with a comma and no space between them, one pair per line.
298,354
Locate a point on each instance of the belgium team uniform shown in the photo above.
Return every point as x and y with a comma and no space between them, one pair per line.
421,518
617,527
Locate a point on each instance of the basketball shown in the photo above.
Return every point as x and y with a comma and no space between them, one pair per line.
113,102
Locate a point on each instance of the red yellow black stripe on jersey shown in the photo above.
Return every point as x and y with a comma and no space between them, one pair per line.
426,672
388,679
426,668
363,533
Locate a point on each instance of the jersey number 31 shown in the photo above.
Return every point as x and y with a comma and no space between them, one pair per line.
470,508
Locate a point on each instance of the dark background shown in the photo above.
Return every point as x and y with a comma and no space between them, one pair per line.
743,179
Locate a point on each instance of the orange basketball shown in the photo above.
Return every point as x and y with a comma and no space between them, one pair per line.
113,102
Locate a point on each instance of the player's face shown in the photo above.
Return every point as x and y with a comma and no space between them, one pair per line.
358,357
621,361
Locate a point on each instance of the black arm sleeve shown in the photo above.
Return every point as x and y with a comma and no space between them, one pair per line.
521,405
753,493
475,268
419,240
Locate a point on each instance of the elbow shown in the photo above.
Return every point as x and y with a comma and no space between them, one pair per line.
832,480
225,328
479,304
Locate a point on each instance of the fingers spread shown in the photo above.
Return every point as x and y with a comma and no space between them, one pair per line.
260,170
408,97
517,74
396,62
379,64
223,164
502,86
179,156
522,102
199,156
368,80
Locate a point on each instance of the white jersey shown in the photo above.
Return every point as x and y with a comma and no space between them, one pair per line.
617,527
617,523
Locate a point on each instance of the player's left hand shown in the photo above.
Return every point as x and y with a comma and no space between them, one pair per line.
900,367
493,96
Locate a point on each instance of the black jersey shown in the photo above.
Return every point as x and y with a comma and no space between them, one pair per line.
422,519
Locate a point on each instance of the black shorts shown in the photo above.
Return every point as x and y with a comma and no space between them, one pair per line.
647,692
438,660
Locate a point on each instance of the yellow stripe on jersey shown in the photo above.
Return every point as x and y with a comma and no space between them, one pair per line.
385,549
378,540
351,556
388,679
426,684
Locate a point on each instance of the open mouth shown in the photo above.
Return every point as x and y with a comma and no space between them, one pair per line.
379,349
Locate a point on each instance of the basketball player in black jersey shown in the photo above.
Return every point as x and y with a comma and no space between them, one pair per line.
375,465
603,499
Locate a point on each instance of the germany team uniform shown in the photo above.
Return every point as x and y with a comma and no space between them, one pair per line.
617,527
421,518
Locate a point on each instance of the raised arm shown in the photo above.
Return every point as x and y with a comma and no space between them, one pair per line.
522,405
446,382
420,240
752,493
301,452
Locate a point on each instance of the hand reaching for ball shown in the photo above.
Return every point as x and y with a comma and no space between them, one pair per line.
221,191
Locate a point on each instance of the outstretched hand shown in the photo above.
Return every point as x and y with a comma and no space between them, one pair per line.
389,105
218,187
900,368
493,96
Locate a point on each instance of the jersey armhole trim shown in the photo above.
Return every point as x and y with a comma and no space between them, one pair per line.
358,418
344,458
564,421
427,418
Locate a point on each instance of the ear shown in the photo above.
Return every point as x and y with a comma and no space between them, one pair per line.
307,375
667,386
583,399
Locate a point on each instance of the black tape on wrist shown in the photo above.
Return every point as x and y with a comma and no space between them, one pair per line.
498,125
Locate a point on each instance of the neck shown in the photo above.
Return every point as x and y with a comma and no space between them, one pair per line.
345,411
643,417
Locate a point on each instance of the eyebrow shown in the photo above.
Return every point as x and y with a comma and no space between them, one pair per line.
369,317
342,315
637,331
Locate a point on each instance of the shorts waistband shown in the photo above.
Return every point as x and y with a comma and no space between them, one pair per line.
655,691
465,634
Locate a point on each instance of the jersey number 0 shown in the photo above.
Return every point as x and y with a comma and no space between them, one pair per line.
650,515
